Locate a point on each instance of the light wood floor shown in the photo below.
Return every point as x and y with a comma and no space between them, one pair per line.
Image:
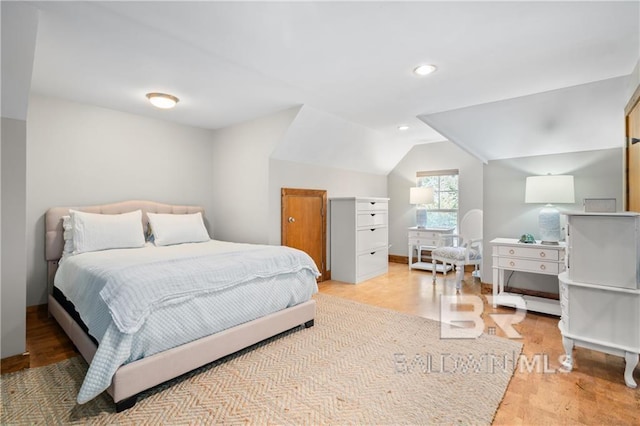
594,393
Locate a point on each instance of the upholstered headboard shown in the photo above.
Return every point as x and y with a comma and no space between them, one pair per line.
54,234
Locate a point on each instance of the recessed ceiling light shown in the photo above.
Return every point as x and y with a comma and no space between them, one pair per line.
162,100
424,69
403,127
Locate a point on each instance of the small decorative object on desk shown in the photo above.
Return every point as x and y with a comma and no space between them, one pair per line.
527,239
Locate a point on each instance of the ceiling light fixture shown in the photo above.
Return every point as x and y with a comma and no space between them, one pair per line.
424,69
162,100
403,127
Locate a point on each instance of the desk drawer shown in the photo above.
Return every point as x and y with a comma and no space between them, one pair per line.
372,219
529,252
551,268
423,242
434,235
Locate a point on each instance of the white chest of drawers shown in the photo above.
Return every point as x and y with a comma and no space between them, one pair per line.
425,239
359,238
600,291
509,254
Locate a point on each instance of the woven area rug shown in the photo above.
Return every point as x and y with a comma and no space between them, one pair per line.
358,365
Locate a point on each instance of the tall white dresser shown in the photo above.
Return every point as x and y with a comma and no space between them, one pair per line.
600,290
359,238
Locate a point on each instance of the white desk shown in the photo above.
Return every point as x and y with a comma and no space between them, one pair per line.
426,239
509,254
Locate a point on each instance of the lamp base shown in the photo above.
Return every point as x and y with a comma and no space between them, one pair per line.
549,223
421,218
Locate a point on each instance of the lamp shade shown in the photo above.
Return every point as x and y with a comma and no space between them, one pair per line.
421,195
549,189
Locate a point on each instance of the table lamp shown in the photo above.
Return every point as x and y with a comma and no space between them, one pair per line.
420,196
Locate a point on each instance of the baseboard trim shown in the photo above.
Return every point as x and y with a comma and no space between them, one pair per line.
394,258
15,363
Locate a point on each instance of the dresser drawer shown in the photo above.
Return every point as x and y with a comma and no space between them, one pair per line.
365,206
372,262
372,219
552,268
374,238
529,252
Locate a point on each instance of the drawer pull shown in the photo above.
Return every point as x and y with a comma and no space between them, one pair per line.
373,229
512,263
373,214
542,267
373,203
511,251
542,254
372,253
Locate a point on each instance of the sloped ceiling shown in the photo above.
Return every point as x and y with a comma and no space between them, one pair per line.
579,118
317,137
230,62
19,27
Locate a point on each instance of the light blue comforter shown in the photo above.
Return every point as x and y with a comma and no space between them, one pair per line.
137,302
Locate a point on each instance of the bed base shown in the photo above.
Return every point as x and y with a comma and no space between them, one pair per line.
132,379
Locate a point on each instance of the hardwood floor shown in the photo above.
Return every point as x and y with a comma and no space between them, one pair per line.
594,393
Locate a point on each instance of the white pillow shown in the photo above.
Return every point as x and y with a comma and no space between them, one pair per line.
93,232
171,229
67,235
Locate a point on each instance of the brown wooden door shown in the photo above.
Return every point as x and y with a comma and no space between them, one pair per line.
633,159
304,223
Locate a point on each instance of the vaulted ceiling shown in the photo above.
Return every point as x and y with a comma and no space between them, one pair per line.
230,62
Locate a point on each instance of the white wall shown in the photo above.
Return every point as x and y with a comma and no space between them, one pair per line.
247,179
597,174
432,156
13,262
240,180
81,155
19,28
634,80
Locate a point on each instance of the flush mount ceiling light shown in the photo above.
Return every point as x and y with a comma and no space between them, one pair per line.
424,69
403,127
162,100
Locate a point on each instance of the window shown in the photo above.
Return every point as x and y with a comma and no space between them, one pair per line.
443,212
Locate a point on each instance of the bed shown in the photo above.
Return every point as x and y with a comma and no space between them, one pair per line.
150,359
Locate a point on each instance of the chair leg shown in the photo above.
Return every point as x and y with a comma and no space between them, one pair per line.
459,275
434,263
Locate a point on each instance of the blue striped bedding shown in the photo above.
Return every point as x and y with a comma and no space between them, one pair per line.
138,302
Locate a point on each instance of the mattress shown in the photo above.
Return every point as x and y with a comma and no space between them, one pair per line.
176,294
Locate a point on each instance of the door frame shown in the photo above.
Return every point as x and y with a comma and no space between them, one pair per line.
284,192
634,102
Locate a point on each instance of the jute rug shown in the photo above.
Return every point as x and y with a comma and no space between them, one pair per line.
358,365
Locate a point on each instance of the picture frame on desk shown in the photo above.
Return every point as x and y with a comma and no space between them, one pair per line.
599,205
